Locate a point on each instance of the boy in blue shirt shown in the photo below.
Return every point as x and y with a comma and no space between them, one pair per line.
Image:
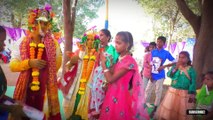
159,56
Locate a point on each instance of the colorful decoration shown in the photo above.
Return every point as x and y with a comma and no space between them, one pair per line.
35,71
88,64
91,36
44,14
91,42
57,35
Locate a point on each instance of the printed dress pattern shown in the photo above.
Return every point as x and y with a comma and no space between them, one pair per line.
120,103
98,93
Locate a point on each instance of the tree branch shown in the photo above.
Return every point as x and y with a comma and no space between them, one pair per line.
200,3
75,3
20,21
175,17
194,20
73,14
12,18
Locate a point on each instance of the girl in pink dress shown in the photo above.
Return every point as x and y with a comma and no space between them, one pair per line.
124,98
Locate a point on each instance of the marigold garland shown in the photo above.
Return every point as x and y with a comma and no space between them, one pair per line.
88,64
35,71
89,59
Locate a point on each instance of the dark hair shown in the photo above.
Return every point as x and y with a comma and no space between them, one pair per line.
147,48
162,38
152,43
188,56
2,33
2,30
107,33
127,38
210,73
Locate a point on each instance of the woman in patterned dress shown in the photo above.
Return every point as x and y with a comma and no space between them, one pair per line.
125,95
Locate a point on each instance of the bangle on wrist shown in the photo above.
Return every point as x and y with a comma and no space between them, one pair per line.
106,70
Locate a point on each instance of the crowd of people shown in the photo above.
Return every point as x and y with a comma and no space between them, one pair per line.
101,81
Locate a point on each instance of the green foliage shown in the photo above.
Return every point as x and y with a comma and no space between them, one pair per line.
55,27
16,13
194,6
167,19
85,12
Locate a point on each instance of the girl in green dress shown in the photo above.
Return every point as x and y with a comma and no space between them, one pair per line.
181,95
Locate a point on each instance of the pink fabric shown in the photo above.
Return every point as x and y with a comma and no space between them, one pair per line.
174,105
121,103
146,65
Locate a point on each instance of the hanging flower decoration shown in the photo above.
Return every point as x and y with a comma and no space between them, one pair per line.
35,71
88,64
88,60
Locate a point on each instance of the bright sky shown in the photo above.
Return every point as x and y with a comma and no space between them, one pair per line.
125,15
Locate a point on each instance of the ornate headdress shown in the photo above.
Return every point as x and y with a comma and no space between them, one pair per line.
91,35
40,14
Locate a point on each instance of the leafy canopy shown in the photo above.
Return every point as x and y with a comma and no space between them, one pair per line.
16,12
167,18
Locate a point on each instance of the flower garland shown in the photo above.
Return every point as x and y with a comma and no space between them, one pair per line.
88,64
89,59
35,71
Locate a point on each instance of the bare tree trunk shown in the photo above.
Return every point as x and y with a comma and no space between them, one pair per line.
67,31
193,19
203,28
203,55
19,24
73,14
69,23
172,25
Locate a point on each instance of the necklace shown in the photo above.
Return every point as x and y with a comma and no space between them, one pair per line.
120,58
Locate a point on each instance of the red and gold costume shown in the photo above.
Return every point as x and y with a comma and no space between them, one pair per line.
38,87
75,83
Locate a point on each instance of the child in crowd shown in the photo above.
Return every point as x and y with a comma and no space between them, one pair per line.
158,56
146,50
204,98
147,67
181,95
125,95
